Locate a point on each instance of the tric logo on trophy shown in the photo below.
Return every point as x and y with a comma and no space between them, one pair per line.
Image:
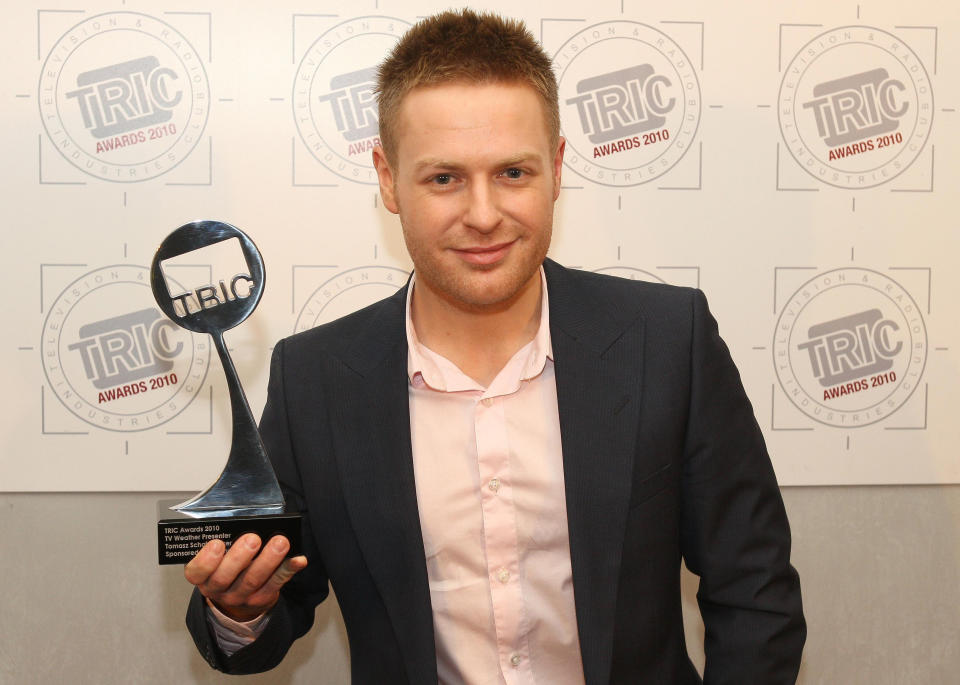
246,497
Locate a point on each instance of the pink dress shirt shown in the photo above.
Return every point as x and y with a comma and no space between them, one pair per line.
489,480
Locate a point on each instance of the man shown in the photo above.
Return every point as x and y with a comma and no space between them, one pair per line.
502,465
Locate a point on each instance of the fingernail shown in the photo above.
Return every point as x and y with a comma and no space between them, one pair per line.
279,544
217,547
252,542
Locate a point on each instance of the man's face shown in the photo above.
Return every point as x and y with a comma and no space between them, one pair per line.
474,181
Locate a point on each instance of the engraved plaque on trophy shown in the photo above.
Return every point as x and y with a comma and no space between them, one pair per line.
246,497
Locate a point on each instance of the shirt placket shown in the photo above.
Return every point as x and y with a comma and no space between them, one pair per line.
500,539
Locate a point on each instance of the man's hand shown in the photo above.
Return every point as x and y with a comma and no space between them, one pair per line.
240,583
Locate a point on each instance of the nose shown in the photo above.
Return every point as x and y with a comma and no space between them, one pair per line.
482,212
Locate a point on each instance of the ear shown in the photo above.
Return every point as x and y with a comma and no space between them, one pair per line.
386,178
558,166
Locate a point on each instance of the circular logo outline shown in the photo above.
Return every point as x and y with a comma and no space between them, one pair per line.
89,161
54,350
612,271
777,347
791,118
298,327
304,100
694,79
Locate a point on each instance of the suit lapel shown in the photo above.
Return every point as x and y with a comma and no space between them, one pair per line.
598,374
378,482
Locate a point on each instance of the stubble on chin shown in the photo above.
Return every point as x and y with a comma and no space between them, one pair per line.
477,288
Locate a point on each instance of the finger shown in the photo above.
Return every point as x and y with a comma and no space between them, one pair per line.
233,563
287,570
263,567
204,562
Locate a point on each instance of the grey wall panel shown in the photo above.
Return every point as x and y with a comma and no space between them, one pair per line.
83,600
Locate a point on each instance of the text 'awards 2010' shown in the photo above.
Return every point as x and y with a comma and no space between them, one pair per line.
246,498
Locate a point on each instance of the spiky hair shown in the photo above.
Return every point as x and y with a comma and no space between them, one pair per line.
467,46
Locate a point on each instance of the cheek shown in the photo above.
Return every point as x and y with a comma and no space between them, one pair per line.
428,217
537,214
422,226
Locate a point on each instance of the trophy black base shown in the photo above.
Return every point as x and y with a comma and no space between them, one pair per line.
180,536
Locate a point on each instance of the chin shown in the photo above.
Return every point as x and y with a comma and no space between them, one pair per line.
489,295
476,287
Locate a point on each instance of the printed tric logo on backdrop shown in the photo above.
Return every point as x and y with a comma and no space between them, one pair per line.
334,105
629,102
347,292
850,347
856,107
124,96
113,359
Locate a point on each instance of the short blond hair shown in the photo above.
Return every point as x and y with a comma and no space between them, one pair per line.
476,47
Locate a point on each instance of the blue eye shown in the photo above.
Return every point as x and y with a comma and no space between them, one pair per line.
513,173
442,179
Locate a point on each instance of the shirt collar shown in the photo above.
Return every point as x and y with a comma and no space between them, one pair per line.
426,367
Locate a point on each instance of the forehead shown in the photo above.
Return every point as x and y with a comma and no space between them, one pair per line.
490,112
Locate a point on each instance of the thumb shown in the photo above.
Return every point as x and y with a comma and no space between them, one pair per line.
287,570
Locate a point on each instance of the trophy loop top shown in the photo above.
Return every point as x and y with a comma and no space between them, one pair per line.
228,299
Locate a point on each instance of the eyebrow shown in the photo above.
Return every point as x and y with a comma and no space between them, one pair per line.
440,163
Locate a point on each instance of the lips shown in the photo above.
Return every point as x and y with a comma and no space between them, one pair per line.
485,255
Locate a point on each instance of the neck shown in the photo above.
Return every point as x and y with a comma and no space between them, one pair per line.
479,340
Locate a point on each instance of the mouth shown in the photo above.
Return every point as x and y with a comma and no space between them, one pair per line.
485,255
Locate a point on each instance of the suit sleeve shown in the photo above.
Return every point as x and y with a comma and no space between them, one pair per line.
735,533
293,614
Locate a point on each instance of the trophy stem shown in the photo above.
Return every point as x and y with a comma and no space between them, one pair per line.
247,483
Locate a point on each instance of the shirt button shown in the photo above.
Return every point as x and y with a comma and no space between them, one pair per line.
494,484
515,660
487,401
503,575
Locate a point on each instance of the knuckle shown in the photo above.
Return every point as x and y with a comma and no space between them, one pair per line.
264,599
217,585
231,599
248,586
194,574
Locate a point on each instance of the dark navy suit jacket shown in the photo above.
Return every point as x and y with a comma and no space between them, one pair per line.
663,460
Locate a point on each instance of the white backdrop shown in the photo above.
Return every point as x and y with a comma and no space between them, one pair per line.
796,161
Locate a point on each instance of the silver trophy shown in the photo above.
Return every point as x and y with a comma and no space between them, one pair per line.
246,497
